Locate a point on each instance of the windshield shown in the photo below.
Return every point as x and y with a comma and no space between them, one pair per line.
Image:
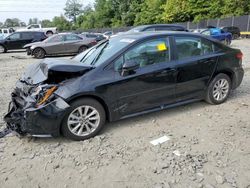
98,54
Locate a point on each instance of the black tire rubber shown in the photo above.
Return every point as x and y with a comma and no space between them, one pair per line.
4,49
235,36
39,53
209,93
75,104
82,49
49,33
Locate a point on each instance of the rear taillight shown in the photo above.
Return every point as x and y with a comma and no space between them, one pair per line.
239,55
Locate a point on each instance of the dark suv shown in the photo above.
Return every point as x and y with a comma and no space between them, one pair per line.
158,27
17,40
232,29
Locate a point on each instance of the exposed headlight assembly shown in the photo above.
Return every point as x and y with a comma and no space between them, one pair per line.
42,93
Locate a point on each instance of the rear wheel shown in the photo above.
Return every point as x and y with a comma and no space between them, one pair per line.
218,89
82,49
235,36
2,49
49,33
39,53
84,119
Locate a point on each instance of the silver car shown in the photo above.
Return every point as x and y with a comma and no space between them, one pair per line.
60,44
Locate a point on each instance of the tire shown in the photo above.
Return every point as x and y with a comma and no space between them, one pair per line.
39,53
223,90
2,49
77,127
235,36
226,42
82,49
49,33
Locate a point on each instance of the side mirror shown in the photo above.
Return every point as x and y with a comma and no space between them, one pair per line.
129,67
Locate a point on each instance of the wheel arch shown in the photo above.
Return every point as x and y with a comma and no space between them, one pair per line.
98,99
229,73
38,47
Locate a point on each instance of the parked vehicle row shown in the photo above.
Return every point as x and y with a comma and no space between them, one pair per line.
124,76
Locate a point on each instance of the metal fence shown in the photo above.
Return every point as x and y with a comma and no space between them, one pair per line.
243,22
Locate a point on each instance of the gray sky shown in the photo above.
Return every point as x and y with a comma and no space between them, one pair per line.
41,9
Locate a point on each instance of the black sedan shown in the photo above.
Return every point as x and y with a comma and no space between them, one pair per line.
124,76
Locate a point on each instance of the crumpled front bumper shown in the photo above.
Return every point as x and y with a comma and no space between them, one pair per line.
42,120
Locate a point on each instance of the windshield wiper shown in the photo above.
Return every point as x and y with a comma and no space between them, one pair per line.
100,53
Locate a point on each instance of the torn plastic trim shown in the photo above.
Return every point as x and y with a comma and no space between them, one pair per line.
42,120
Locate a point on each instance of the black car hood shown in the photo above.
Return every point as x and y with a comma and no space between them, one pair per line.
53,71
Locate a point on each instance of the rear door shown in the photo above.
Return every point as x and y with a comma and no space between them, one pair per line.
197,61
151,85
72,43
26,37
55,45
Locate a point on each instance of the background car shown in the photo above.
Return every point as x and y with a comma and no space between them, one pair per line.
235,31
122,77
5,32
95,36
60,44
17,40
219,34
158,27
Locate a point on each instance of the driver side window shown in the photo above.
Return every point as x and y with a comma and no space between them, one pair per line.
15,36
147,53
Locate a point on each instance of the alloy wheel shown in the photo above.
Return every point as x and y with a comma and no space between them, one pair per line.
83,121
220,89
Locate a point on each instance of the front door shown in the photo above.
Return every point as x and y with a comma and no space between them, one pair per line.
14,41
151,85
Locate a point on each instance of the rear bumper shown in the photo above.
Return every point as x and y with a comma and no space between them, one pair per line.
237,77
43,120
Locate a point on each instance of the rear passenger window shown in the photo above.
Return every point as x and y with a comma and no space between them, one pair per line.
149,53
190,47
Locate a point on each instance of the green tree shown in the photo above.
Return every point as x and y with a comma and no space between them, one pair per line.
150,13
236,7
61,23
176,11
46,23
73,9
87,19
15,22
33,21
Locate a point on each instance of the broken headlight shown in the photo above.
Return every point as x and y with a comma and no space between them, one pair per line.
43,93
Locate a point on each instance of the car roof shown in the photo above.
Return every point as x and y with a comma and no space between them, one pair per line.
140,35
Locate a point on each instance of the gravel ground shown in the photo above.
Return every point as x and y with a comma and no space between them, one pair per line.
211,145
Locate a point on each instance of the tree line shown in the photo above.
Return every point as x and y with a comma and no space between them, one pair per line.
122,13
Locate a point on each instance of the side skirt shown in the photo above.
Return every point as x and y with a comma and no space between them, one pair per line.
161,108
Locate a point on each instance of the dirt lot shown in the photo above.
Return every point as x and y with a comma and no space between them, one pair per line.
213,142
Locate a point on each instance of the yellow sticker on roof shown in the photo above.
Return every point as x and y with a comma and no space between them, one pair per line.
162,47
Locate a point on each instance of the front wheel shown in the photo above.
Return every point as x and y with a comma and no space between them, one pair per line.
39,53
84,119
218,89
82,49
2,49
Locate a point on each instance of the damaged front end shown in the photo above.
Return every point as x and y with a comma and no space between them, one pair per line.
35,109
